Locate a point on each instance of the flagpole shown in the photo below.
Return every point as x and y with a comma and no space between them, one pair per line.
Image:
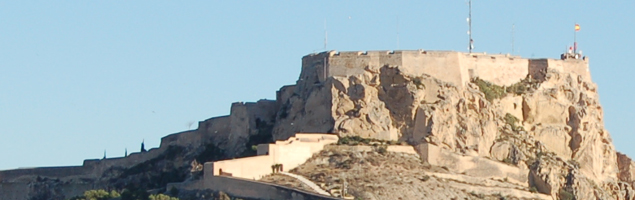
575,44
470,42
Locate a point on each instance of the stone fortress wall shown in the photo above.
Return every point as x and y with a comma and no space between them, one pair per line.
224,132
242,118
449,66
290,153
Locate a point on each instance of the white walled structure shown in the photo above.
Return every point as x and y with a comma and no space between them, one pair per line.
290,153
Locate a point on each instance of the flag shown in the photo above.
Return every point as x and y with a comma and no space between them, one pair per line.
577,27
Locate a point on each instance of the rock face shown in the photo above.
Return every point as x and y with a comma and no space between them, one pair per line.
552,126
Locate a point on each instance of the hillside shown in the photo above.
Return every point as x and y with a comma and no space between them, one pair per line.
389,175
475,126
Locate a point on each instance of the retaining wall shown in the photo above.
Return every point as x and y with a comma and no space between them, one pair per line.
244,188
290,153
472,165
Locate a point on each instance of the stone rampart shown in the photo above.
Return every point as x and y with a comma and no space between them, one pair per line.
52,172
453,67
246,120
538,67
575,66
185,138
446,66
22,191
284,94
217,128
498,69
212,128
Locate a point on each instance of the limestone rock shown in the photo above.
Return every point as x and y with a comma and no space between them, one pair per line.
558,115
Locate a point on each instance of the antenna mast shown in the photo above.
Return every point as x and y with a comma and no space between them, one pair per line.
397,31
326,35
513,26
469,32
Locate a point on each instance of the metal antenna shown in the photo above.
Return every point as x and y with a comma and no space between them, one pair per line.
513,26
469,32
326,35
397,31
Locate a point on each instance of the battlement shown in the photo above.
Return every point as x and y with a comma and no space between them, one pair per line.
454,67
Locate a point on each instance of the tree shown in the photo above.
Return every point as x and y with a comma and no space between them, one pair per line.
98,195
162,197
132,192
143,147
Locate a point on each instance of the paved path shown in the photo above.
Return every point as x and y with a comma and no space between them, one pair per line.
307,182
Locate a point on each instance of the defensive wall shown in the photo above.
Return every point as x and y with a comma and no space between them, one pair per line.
284,94
44,171
216,129
457,68
472,165
22,190
92,168
246,120
290,153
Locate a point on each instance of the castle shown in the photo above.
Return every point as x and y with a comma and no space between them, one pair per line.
246,120
457,68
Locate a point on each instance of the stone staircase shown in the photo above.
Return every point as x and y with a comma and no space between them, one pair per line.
307,182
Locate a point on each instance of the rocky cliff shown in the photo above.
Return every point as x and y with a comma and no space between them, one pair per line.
551,127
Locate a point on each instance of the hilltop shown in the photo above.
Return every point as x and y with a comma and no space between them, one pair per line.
439,124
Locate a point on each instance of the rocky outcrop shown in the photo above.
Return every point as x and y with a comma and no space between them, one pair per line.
557,117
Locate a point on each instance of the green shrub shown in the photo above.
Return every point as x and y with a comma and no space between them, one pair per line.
490,90
98,195
173,191
357,140
493,91
512,121
566,195
418,83
508,161
162,197
382,150
517,88
533,189
522,86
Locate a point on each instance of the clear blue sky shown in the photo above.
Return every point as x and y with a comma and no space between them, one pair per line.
81,77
